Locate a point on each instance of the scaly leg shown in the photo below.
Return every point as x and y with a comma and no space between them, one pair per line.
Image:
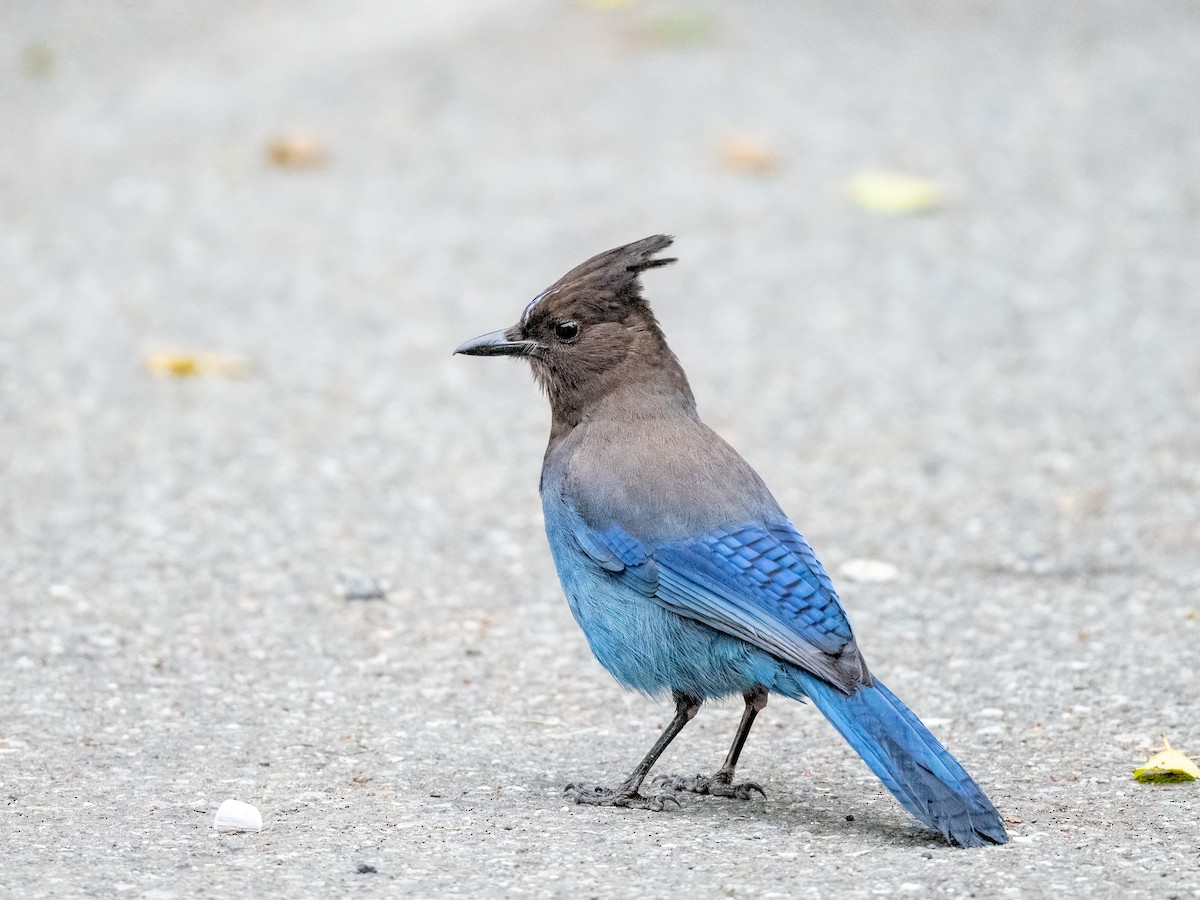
721,784
627,794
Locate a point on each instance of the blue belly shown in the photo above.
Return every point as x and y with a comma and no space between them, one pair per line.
645,646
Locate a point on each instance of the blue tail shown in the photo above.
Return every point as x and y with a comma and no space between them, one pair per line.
922,774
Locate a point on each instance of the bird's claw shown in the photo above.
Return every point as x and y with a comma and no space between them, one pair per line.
593,795
716,785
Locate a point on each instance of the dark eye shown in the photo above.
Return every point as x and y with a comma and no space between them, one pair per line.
566,331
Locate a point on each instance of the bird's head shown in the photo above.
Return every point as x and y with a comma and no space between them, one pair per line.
588,327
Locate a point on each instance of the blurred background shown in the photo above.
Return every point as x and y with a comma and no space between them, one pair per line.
938,282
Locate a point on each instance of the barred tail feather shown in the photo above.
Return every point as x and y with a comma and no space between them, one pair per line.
912,764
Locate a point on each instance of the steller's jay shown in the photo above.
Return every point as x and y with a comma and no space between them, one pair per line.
678,564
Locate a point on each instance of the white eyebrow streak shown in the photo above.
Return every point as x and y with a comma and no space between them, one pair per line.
534,302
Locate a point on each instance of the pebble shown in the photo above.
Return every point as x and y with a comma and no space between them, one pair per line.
234,815
364,589
868,571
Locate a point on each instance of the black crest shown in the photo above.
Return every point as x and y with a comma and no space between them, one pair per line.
614,273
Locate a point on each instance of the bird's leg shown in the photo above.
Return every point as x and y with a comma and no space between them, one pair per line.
627,794
721,784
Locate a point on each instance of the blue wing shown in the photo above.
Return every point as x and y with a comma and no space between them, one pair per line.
761,584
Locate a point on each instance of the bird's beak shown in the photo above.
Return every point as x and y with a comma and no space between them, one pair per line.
498,343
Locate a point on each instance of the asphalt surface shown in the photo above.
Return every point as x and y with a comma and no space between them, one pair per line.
1000,398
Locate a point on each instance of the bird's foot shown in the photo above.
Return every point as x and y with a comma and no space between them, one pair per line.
719,785
591,795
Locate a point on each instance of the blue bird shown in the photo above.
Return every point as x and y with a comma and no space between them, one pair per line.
681,569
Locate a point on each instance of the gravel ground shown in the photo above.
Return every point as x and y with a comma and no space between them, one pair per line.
1001,399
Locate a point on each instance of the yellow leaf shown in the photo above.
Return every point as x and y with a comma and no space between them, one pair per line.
1168,767
893,194
188,365
297,150
746,154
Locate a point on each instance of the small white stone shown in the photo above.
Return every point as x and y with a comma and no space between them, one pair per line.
234,815
874,571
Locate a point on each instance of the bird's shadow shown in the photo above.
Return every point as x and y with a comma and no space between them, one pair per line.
793,813
790,812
